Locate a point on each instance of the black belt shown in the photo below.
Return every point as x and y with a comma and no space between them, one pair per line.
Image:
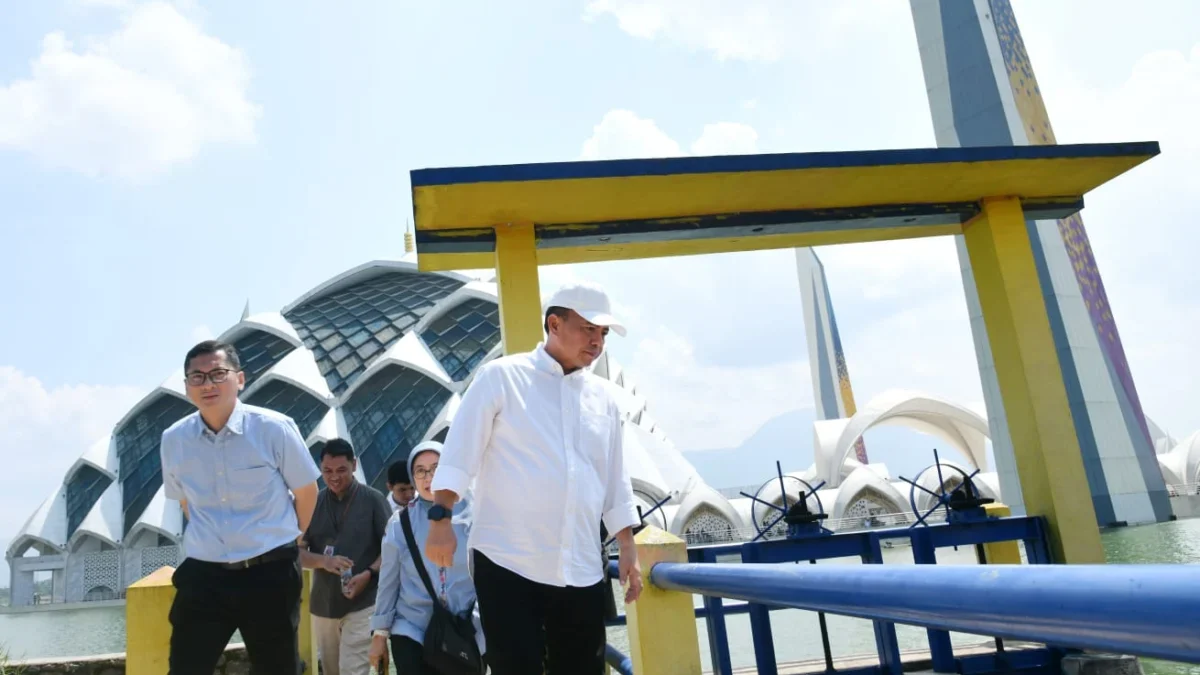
281,553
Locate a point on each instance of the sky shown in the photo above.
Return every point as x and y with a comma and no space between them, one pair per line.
164,163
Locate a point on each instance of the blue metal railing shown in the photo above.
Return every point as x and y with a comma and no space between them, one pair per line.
619,662
1108,608
1144,610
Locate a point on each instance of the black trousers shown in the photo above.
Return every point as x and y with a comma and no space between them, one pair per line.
211,602
408,657
531,626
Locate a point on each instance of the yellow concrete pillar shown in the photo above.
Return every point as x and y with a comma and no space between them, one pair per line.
147,623
1001,552
304,632
663,639
1049,461
517,286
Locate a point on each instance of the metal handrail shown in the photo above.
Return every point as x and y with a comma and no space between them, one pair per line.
1143,610
617,661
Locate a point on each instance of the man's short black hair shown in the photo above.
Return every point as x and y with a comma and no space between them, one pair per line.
398,473
560,312
212,347
338,447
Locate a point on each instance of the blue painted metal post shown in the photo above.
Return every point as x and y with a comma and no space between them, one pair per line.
718,634
941,651
760,625
1037,550
886,643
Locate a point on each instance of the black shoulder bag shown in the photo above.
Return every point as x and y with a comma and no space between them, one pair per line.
450,647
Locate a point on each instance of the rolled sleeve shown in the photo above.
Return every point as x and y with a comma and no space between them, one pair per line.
172,488
620,510
295,461
450,478
470,433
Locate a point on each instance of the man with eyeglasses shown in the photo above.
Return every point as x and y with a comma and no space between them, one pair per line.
231,467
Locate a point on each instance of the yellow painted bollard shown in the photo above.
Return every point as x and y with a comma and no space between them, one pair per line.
662,624
308,646
147,623
1001,552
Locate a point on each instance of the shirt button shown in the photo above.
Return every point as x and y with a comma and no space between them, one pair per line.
222,499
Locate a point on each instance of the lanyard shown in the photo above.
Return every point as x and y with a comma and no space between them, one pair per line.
442,578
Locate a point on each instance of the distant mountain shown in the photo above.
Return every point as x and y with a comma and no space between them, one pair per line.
788,438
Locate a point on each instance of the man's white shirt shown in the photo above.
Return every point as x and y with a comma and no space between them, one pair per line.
545,455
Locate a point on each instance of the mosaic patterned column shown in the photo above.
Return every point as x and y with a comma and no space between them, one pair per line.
832,395
982,92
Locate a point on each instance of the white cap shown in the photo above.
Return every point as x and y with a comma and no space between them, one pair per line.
589,301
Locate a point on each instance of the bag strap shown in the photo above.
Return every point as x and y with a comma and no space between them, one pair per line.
416,556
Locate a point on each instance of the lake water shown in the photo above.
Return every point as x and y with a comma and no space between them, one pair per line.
797,634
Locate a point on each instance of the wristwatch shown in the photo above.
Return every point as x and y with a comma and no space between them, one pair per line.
438,512
374,573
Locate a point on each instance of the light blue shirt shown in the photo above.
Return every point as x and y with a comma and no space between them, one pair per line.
402,605
236,482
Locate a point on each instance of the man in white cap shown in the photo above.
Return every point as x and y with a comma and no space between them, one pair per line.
540,436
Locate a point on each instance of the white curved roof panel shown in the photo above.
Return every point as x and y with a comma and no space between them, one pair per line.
268,322
298,368
48,524
101,455
472,290
360,274
409,351
861,481
444,418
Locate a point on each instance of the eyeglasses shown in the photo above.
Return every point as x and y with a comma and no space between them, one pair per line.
422,473
217,375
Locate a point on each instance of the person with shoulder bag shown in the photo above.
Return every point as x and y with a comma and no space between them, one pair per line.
427,613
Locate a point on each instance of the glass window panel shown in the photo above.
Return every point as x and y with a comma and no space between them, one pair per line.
306,410
388,415
385,306
368,350
358,338
83,492
138,453
461,338
342,351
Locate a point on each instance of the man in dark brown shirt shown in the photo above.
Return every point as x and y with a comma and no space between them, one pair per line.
342,545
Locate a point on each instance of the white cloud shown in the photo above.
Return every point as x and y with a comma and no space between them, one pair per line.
706,406
133,103
726,138
46,430
749,30
622,134
201,333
